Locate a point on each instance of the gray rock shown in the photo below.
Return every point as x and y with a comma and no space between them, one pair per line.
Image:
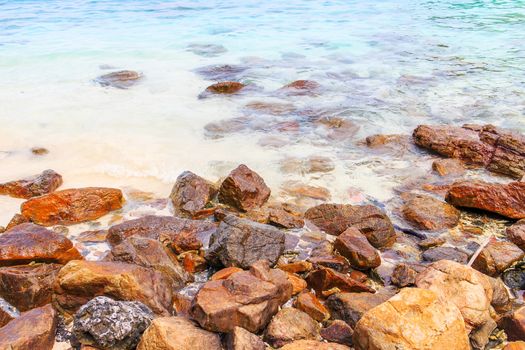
445,253
110,324
240,242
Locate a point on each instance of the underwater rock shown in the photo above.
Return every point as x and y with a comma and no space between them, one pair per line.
448,167
34,186
207,50
122,79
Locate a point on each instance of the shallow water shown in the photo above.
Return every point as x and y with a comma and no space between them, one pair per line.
386,66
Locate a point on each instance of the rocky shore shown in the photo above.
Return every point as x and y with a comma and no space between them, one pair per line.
233,267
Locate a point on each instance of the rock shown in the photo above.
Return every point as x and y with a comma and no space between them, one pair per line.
16,220
414,319
28,286
514,324
445,253
291,324
514,278
504,199
334,219
194,263
448,167
241,339
335,262
225,273
39,151
403,276
428,213
301,87
207,50
431,242
80,281
298,284
516,234
338,332
29,242
150,253
307,165
95,236
240,242
354,246
34,186
350,307
244,189
272,108
324,279
164,228
501,301
308,303
517,345
191,194
121,79
246,299
33,330
394,140
222,72
177,333
7,312
68,207
313,345
299,190
110,324
185,241
337,128
496,257
225,87
281,217
299,266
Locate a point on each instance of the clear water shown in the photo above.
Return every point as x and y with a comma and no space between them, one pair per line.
386,66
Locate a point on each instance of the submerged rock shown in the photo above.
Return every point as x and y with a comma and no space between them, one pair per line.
34,186
207,50
191,194
244,189
222,88
121,79
289,325
428,213
448,167
110,324
301,87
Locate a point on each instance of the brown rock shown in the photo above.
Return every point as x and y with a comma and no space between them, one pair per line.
121,79
96,236
301,87
298,284
308,302
403,275
291,324
191,194
428,213
414,319
516,234
72,206
225,87
324,279
29,242
338,332
177,333
338,128
193,262
313,345
33,330
28,286
517,345
16,220
185,241
241,339
80,281
431,242
244,189
39,151
299,266
34,186
445,253
507,200
335,262
381,140
448,167
225,273
246,299
334,219
307,165
496,257
514,324
300,191
281,217
354,246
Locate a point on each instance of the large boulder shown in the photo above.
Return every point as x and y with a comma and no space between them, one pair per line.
496,257
191,194
504,199
428,213
414,319
246,299
28,286
241,339
34,186
68,207
244,189
334,219
240,242
33,330
27,243
109,324
177,333
80,281
354,246
291,324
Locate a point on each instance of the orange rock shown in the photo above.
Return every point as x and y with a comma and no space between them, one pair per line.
516,345
298,284
296,266
324,279
309,303
445,167
428,213
225,273
37,185
225,87
193,262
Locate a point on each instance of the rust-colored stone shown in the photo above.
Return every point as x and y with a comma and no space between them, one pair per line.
354,246
496,257
324,279
338,332
225,273
225,87
428,213
34,186
191,194
308,302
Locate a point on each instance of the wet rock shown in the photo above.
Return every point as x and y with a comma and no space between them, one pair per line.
431,242
33,330
301,87
164,228
39,151
403,275
334,262
428,213
322,248
501,301
240,242
354,246
284,218
150,253
445,253
241,339
288,325
308,303
246,299
16,220
516,234
504,199
324,279
110,324
514,324
191,194
338,332
207,50
392,144
28,286
244,189
496,257
306,191
448,167
350,307
225,87
72,206
178,333
334,219
194,263
26,243
272,108
337,128
308,165
95,236
80,281
7,312
413,319
222,72
34,186
313,345
122,79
